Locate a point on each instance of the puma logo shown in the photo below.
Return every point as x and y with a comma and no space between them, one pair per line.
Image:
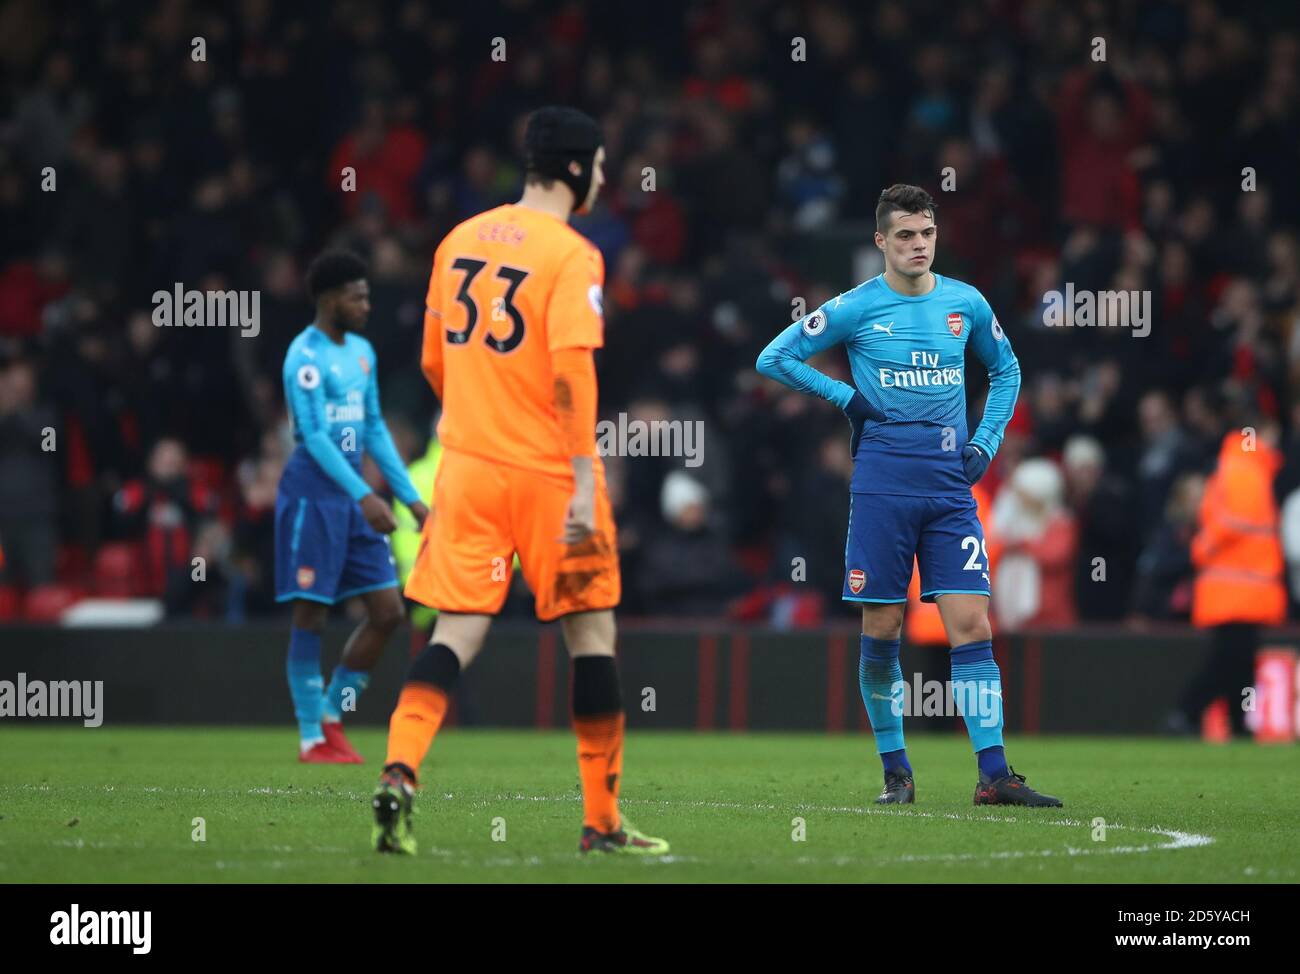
887,329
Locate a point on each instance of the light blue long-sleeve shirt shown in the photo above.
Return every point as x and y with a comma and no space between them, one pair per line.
908,358
333,397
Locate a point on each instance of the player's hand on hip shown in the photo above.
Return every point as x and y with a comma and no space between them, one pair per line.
860,412
580,520
378,514
974,462
420,512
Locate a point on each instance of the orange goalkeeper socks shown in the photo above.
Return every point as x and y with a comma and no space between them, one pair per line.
421,706
414,723
598,721
600,764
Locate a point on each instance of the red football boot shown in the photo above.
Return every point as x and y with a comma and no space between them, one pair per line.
336,739
322,753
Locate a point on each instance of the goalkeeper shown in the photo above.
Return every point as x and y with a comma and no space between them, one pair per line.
906,333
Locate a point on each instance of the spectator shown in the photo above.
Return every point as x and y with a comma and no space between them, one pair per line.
1164,568
1037,538
160,511
206,585
1239,566
809,183
1167,452
1102,507
385,159
688,569
1290,532
28,490
1101,121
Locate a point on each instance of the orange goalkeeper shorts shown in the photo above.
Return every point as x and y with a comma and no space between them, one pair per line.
484,513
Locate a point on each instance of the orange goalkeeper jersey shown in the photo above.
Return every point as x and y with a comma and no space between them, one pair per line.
509,287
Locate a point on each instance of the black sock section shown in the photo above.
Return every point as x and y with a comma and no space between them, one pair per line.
400,767
595,686
437,666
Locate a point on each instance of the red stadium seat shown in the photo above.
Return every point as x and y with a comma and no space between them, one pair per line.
72,564
207,472
10,602
46,603
117,571
210,488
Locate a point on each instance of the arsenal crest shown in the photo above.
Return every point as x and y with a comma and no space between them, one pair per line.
857,580
954,324
306,577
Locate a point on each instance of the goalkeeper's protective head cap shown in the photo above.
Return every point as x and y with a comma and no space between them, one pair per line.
557,136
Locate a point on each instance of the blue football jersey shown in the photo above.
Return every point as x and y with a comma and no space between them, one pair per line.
333,398
908,358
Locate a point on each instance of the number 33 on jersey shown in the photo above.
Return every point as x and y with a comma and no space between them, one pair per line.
508,288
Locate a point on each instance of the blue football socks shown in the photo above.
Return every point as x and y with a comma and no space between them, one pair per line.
977,690
306,684
879,674
341,695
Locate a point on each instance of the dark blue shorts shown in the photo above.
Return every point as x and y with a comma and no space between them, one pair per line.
887,531
326,551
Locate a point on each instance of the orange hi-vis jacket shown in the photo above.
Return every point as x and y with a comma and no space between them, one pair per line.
1237,550
922,625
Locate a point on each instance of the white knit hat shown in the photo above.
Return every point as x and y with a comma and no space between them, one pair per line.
680,491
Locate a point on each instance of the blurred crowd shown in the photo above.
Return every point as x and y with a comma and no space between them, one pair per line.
747,144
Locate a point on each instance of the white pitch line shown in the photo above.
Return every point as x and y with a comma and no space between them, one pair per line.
1176,839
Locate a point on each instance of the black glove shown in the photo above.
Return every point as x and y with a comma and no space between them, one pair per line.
974,462
860,412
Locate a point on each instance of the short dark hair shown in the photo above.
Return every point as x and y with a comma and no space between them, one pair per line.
332,269
902,198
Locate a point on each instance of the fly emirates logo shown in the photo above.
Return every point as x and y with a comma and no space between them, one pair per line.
925,371
353,411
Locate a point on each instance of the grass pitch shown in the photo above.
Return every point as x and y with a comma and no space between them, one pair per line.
119,805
